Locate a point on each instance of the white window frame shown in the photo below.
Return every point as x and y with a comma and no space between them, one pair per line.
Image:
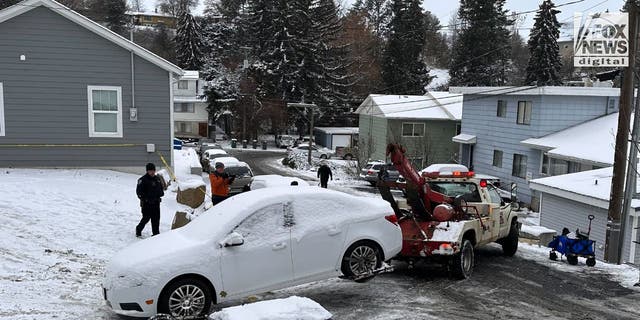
92,132
524,117
493,162
413,129
2,122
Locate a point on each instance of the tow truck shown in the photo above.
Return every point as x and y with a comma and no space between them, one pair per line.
451,213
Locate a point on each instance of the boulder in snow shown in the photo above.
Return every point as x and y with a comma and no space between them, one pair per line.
179,220
191,193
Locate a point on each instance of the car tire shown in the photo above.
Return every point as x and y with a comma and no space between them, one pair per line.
463,262
323,156
510,242
192,298
361,258
572,259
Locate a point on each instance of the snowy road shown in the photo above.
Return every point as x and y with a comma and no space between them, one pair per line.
58,228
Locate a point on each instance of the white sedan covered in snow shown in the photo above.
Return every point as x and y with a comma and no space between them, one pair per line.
254,242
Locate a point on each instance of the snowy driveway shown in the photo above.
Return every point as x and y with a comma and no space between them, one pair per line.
59,227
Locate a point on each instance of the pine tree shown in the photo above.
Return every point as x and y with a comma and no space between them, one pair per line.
116,16
403,69
189,43
544,63
481,51
8,3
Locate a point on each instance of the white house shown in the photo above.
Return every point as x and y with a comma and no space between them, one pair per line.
191,119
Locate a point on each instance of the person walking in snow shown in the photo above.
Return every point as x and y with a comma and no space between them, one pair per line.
220,184
150,192
324,172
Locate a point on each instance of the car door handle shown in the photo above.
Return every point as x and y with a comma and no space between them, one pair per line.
334,231
279,246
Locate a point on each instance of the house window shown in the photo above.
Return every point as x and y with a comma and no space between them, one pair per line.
519,168
184,107
502,109
413,129
612,103
544,167
184,127
458,128
497,158
417,163
183,84
524,112
558,167
2,130
105,111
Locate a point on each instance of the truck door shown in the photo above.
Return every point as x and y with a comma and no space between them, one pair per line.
495,212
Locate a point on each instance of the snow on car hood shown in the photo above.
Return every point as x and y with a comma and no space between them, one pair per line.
152,258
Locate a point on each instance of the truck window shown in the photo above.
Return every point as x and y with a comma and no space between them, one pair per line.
494,195
468,190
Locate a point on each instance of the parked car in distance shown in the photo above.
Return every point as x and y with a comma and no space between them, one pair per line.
274,180
225,160
371,172
204,146
207,160
242,173
257,241
285,141
316,151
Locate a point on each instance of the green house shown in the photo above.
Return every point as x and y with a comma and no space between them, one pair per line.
424,125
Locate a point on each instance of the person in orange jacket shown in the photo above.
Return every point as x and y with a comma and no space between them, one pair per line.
220,184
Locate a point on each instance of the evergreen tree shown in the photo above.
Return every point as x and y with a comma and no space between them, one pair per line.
189,43
8,3
116,16
403,69
481,51
436,49
163,44
544,62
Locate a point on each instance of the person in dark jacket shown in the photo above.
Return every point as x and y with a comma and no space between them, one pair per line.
150,192
324,172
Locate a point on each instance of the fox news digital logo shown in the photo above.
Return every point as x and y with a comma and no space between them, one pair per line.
601,40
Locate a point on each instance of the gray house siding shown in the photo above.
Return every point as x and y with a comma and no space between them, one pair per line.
434,147
549,114
557,213
372,137
46,96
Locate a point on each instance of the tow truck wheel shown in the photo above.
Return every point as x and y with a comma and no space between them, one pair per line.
462,263
510,242
361,258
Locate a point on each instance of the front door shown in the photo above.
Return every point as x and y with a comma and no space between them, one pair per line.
264,260
203,129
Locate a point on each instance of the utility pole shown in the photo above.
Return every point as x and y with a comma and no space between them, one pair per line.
309,108
613,246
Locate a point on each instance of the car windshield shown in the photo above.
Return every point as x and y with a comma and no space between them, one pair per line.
238,171
468,190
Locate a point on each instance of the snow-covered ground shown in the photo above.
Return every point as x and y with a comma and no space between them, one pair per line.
59,227
291,308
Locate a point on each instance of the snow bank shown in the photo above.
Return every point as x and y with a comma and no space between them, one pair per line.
292,308
535,231
184,160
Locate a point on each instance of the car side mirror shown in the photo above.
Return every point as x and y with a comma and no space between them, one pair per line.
232,240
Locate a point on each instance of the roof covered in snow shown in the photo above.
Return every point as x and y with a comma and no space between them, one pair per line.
591,141
434,105
338,130
591,187
536,91
28,5
190,75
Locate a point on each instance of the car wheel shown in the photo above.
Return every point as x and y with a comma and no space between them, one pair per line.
462,263
185,298
323,156
348,156
360,259
510,242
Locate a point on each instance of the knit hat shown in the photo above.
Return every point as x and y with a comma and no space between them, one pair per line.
151,166
219,165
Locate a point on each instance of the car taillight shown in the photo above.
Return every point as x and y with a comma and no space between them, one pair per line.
483,183
392,218
370,172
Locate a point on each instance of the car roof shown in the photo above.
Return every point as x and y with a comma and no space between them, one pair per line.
215,151
227,160
236,164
